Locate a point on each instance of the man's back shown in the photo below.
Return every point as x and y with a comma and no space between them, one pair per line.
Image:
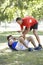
28,22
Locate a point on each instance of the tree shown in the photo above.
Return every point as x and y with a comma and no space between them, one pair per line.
10,9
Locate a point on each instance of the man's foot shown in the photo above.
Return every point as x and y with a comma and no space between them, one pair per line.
30,49
37,48
40,46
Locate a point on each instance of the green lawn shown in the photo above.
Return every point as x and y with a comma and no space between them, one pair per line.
22,58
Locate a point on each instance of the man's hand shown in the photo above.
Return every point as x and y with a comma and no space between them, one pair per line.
23,36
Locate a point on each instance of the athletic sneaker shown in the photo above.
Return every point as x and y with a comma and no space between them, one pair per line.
40,46
37,48
30,49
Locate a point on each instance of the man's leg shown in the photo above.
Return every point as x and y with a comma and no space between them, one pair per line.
24,43
36,35
31,40
21,39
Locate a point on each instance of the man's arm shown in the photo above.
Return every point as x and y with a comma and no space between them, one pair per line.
26,30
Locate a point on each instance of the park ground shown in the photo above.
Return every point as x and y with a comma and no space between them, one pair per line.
19,57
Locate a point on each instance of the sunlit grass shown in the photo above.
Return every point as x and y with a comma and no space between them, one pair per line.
22,58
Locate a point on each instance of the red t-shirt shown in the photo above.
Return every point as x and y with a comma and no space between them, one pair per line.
28,22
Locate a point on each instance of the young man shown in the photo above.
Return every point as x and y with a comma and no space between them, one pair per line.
29,23
21,44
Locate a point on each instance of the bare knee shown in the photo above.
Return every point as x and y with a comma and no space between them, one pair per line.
21,38
30,38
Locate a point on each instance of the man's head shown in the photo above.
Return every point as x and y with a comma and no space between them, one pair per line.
10,37
19,20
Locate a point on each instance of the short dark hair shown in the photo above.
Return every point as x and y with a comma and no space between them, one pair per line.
9,37
18,18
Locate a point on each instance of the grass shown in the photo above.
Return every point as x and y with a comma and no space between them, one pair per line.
3,39
16,33
22,58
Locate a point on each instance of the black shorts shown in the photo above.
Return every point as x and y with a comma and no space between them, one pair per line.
34,26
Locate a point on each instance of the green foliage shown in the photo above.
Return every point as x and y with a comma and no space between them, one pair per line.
1,2
10,9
